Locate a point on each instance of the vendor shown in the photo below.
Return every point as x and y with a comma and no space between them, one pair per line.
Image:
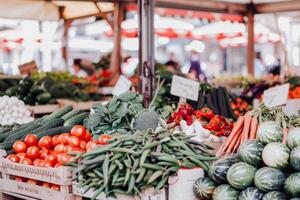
77,69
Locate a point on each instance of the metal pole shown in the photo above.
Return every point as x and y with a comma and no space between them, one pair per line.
250,47
146,49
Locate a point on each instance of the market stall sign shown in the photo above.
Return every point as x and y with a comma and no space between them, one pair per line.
276,96
27,68
186,88
122,85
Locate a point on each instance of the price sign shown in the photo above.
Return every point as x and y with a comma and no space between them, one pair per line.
186,88
27,68
276,96
123,85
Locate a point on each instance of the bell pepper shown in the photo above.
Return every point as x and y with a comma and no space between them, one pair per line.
185,110
175,117
189,120
207,113
198,114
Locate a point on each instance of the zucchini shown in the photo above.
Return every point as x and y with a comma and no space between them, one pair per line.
5,135
51,124
227,103
6,145
20,134
71,114
76,120
54,131
221,103
215,100
58,113
210,103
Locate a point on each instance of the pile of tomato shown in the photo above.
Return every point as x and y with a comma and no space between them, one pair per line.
240,106
36,182
53,151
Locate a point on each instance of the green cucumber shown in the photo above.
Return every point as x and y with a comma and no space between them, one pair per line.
51,124
7,145
54,131
76,120
58,113
71,114
20,134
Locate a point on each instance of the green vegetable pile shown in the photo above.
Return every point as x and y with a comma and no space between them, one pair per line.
263,169
116,116
144,159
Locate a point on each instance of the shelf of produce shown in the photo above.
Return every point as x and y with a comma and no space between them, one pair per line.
44,109
79,105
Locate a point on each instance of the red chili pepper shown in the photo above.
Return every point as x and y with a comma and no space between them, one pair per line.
175,117
207,113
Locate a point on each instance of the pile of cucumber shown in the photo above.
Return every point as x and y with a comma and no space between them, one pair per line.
144,159
60,121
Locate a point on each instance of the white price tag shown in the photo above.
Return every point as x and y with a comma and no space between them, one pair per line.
123,85
186,88
276,96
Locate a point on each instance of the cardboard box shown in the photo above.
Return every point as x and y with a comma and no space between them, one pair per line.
148,194
181,186
59,176
33,191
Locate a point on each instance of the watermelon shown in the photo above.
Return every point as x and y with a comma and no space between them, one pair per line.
218,169
276,155
250,152
241,175
292,185
293,138
203,188
225,192
275,195
251,193
268,179
295,159
269,131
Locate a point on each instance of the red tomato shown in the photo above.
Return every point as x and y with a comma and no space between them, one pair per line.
26,161
31,140
52,159
58,165
46,185
55,187
74,141
33,152
33,182
78,131
20,179
13,158
54,141
37,162
45,142
19,147
77,150
63,138
91,145
67,149
103,139
82,145
62,158
59,148
44,153
47,164
21,155
88,136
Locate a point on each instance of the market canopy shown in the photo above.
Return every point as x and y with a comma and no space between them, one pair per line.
52,10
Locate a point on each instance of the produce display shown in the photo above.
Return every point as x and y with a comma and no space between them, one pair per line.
13,111
60,121
265,166
240,107
143,159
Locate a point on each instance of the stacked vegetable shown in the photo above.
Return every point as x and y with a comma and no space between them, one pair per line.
240,106
130,163
264,169
60,121
13,111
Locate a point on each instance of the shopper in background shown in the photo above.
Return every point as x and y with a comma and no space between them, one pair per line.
172,64
195,69
259,66
77,69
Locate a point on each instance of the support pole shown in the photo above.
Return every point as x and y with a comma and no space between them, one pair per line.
250,47
146,49
115,61
65,39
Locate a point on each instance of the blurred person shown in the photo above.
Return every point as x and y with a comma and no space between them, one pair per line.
172,64
259,66
77,69
195,69
275,69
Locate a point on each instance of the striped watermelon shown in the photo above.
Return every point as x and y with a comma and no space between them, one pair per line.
269,131
293,138
276,155
251,193
203,188
225,192
268,179
292,185
241,175
295,159
218,169
275,195
250,152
